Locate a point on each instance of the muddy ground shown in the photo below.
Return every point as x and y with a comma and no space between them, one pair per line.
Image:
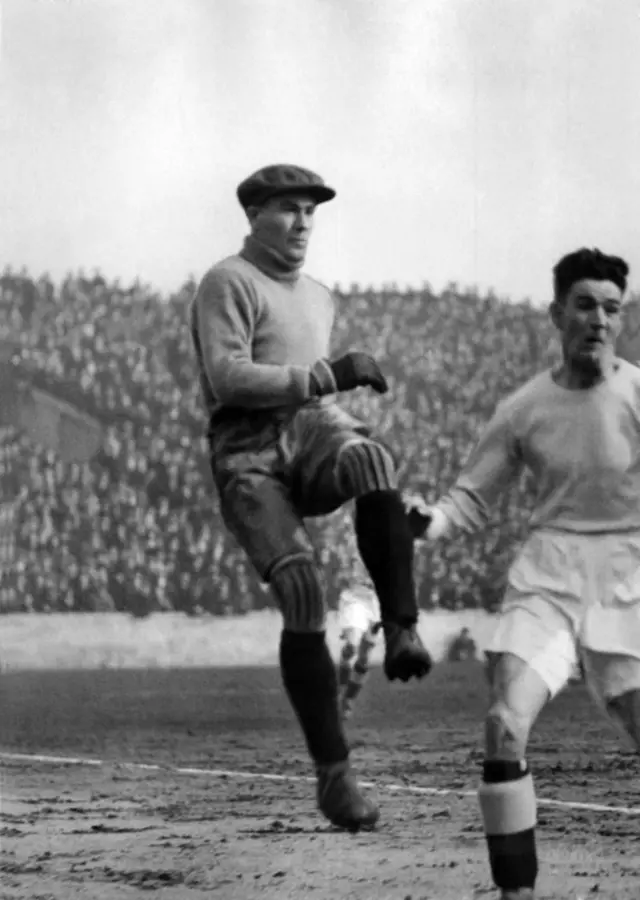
113,831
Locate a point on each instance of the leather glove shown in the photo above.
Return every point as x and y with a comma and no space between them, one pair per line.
355,369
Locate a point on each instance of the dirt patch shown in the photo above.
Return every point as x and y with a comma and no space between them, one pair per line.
112,831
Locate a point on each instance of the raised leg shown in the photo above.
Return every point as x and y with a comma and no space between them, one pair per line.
386,545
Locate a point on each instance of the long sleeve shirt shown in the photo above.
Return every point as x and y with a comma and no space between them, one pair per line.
582,447
258,328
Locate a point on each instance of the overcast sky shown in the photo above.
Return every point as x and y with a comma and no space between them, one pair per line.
469,140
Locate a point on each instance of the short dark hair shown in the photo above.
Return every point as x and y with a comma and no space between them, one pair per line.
587,263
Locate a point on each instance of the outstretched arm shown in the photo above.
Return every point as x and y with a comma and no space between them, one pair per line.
493,464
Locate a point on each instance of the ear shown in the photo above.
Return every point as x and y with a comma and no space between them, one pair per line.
252,213
556,312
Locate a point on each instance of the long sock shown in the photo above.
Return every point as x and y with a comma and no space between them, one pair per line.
508,806
309,677
385,542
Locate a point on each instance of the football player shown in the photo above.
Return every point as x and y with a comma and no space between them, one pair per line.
282,450
573,593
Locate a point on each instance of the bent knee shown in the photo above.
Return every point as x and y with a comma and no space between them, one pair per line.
365,467
299,592
506,733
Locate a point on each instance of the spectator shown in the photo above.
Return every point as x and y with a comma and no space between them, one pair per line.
134,529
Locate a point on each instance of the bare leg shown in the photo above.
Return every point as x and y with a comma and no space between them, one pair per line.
506,795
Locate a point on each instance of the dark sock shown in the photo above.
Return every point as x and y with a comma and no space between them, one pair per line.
513,857
310,680
385,542
496,771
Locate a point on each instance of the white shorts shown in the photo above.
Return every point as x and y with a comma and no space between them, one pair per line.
358,609
574,597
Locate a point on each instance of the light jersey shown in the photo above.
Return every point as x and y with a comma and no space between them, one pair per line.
582,447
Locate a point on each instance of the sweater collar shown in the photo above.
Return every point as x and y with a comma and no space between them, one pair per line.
269,260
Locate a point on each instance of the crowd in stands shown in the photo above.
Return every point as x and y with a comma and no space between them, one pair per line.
138,527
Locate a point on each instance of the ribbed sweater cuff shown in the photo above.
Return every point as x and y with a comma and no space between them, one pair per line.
322,379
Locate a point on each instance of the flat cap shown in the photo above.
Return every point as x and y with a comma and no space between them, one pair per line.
282,179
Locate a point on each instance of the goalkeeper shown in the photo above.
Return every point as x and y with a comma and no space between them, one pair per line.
282,450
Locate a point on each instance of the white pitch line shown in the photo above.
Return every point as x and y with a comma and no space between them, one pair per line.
272,776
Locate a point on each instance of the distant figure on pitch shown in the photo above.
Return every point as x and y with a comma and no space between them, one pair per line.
462,647
282,450
359,623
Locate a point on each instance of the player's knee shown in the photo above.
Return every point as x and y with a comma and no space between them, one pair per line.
300,595
506,733
364,467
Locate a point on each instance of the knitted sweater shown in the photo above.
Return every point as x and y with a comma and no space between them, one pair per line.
258,328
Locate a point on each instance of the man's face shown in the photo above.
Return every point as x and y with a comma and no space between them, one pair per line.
589,320
285,223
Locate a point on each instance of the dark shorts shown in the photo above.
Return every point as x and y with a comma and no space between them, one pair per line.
282,471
